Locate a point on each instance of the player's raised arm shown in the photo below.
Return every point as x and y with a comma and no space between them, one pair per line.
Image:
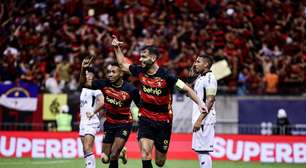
85,64
119,55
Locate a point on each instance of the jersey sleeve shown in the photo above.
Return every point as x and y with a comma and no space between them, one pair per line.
135,95
171,79
135,69
211,85
98,84
97,93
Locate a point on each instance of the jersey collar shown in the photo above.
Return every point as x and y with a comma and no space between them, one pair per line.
203,74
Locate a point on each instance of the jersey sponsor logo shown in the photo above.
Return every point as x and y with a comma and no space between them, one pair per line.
153,91
114,101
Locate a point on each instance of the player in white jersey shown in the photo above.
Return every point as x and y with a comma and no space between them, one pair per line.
91,101
203,123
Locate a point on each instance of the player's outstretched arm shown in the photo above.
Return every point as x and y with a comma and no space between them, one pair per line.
86,63
119,55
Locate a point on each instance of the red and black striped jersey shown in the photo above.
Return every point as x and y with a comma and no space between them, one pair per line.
155,93
117,100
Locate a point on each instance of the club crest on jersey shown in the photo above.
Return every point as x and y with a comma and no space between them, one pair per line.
82,103
159,81
124,95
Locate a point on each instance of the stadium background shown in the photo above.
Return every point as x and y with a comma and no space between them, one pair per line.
42,44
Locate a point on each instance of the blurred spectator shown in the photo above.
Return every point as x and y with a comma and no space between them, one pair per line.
51,126
242,82
253,81
34,34
63,119
271,81
53,84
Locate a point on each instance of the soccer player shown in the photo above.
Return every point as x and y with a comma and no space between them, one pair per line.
118,95
203,123
157,84
90,103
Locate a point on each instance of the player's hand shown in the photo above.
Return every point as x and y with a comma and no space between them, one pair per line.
197,125
116,42
87,61
203,108
90,114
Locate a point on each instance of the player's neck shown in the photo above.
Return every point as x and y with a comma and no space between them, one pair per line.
205,72
118,84
153,69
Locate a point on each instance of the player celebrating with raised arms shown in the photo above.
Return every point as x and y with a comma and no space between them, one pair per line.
118,95
156,87
203,123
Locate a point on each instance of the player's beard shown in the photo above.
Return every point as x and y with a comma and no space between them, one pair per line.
149,64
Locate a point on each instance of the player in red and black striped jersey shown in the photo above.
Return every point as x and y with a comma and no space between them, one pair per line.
156,86
118,95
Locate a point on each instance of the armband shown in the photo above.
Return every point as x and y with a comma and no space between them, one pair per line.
180,84
211,92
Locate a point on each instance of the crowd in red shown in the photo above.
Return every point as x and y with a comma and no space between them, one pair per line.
44,41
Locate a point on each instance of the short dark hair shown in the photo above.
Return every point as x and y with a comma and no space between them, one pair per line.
152,50
208,58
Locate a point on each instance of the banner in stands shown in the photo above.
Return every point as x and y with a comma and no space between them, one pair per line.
288,149
51,105
19,96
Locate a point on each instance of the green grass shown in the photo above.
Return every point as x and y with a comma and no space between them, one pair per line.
78,163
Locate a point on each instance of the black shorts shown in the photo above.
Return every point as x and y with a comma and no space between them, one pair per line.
112,131
158,131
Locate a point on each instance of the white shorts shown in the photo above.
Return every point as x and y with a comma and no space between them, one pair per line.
89,128
203,139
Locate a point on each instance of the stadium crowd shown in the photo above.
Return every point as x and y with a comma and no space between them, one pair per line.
44,41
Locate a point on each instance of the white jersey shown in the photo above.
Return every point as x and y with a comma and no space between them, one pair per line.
205,85
88,104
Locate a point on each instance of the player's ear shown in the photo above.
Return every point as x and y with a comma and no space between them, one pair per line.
154,58
121,73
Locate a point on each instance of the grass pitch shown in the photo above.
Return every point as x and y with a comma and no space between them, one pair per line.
79,163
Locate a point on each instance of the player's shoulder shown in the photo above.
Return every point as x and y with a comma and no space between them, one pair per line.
207,78
136,68
210,74
164,72
128,86
87,90
210,79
